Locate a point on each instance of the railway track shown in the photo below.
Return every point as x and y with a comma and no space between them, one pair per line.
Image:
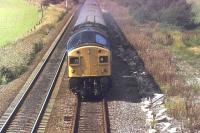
25,112
91,117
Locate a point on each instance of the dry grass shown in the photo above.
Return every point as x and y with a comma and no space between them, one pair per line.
195,50
177,107
163,38
158,62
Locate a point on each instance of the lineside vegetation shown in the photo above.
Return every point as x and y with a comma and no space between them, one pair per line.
164,40
16,57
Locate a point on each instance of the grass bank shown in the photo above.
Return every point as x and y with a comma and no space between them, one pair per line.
16,57
16,18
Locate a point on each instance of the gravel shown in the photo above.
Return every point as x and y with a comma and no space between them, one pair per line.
130,84
124,99
124,103
126,117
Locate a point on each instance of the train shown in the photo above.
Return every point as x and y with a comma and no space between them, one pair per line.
89,53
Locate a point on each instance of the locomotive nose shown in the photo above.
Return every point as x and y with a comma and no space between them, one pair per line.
90,62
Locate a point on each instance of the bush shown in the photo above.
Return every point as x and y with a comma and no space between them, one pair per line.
6,75
173,12
9,74
38,47
45,30
191,39
19,70
61,16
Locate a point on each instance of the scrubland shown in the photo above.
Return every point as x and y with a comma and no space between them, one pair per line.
169,49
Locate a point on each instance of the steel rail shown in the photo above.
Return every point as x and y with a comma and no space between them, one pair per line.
105,119
76,116
36,124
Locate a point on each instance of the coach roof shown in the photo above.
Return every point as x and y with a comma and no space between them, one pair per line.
90,12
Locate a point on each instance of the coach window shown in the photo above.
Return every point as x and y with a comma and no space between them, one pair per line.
100,39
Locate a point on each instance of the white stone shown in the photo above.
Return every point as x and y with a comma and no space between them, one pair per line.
166,126
160,112
161,118
143,73
172,130
144,108
149,114
152,131
158,97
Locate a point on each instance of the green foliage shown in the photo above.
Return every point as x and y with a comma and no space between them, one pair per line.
19,70
191,38
192,42
196,9
8,74
38,47
172,12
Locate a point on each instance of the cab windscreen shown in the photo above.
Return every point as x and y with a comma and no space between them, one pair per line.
74,60
103,59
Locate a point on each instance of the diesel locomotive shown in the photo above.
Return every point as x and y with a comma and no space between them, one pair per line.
89,53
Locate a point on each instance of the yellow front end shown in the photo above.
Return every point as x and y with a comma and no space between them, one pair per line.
89,61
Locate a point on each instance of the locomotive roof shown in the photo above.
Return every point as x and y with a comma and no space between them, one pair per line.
88,37
90,12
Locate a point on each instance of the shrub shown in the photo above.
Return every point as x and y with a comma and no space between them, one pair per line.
19,70
9,74
45,30
191,39
38,46
61,16
6,75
